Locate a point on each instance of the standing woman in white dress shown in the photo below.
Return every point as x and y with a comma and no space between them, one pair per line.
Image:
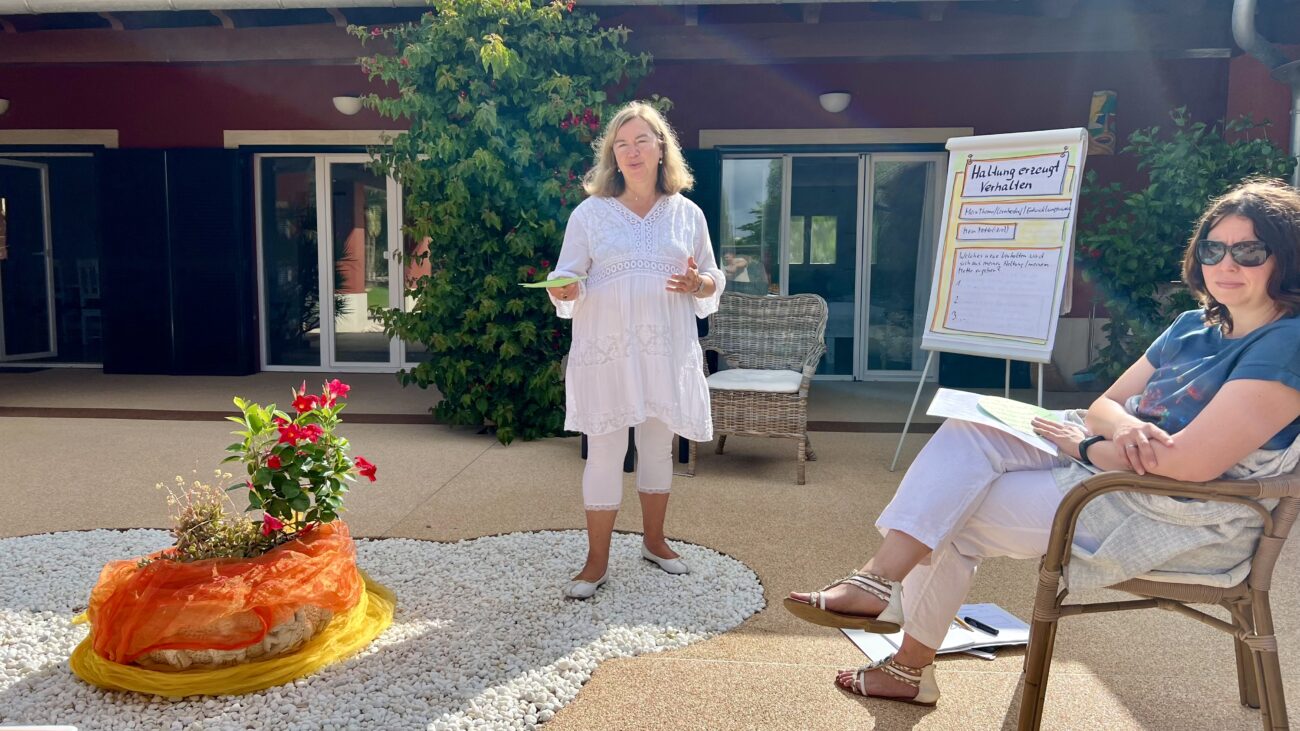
635,360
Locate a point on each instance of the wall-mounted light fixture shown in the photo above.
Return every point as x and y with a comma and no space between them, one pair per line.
348,105
835,101
4,106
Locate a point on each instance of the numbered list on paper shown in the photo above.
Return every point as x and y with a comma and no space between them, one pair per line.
1002,292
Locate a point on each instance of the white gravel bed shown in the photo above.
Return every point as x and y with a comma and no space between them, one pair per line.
481,637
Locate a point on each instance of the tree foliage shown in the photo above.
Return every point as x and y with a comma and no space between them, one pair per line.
504,98
1131,243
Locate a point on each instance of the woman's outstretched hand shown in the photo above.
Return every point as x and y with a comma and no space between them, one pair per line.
687,283
1064,435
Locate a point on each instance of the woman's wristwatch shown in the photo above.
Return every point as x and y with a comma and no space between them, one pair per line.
1083,447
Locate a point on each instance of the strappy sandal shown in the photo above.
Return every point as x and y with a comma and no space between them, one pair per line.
927,689
886,623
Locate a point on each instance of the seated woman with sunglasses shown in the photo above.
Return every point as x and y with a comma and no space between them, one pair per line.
1217,394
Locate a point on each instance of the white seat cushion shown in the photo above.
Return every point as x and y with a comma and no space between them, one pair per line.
754,379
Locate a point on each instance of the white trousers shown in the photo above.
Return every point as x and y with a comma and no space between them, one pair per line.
972,493
602,478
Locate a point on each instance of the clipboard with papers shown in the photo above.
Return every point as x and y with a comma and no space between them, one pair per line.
1010,631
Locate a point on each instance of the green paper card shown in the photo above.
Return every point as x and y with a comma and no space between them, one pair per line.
552,283
1014,414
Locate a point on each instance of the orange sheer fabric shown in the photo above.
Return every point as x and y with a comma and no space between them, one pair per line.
220,603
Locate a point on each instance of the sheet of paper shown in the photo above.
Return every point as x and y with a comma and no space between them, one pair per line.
552,283
1015,414
964,405
1002,291
1011,631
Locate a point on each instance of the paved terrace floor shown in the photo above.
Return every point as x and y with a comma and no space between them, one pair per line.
80,449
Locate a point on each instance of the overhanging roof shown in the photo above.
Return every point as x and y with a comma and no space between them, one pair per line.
21,7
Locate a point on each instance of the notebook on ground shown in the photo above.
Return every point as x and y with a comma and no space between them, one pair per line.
1011,631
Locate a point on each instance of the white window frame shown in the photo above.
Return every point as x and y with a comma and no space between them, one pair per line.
324,212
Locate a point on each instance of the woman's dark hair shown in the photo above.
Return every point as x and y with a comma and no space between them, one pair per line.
1273,208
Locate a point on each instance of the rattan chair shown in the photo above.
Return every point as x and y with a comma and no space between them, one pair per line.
771,346
1259,675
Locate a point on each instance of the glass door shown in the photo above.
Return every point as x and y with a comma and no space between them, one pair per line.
901,196
325,261
359,253
822,248
26,271
753,192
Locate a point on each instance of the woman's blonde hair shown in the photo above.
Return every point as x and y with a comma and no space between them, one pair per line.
604,178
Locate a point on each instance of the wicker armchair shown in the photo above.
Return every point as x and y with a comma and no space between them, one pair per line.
1259,675
772,346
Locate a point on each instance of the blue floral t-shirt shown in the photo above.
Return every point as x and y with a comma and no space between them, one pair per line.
1193,361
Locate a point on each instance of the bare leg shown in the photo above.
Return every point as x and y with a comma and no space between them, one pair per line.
897,555
654,507
600,530
880,684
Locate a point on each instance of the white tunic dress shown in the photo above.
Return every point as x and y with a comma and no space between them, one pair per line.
636,352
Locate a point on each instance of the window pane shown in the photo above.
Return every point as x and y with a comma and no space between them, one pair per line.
898,223
823,239
290,267
751,225
824,207
798,238
359,204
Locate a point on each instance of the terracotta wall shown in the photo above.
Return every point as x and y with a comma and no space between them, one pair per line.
182,106
190,106
1251,90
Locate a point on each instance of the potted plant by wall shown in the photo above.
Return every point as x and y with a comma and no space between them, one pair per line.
238,591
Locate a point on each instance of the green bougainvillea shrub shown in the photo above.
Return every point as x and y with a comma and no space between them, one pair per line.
1131,242
504,99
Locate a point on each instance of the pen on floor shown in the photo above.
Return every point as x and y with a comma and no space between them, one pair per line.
980,626
958,621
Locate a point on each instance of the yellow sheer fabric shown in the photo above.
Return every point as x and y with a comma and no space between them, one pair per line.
346,634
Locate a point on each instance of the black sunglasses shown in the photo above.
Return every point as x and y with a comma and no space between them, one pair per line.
1245,253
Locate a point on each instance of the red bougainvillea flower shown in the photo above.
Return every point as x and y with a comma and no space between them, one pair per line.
280,421
365,468
271,524
311,432
337,388
304,402
273,462
546,264
376,32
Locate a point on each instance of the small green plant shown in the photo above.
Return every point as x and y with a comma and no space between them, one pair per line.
1130,243
207,524
503,98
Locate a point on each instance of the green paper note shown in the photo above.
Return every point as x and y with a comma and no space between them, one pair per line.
1014,414
552,283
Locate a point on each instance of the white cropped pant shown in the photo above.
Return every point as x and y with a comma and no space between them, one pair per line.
602,478
972,493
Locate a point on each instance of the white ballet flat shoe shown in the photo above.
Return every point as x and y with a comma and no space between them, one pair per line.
584,589
673,566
